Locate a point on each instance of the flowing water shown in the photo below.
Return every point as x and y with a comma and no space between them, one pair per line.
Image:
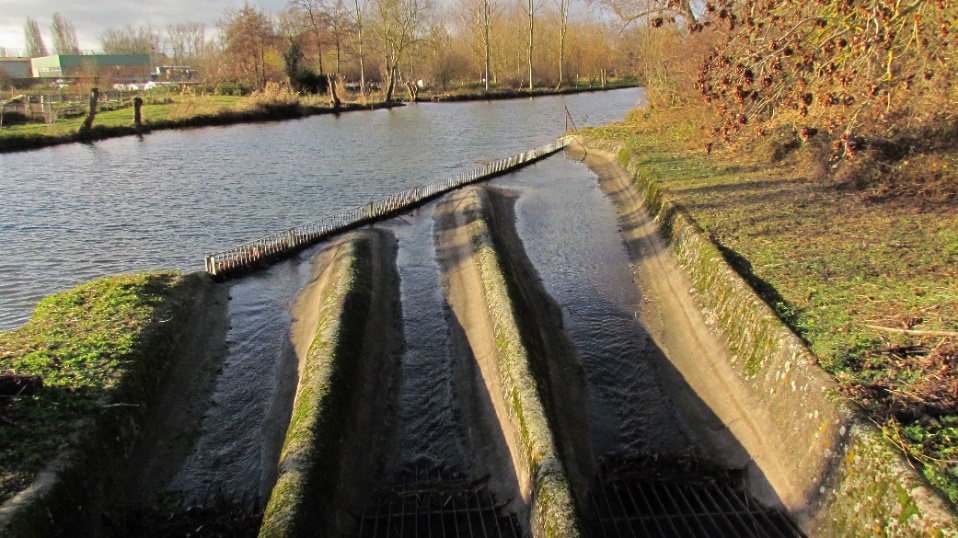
73,213
245,423
570,233
431,431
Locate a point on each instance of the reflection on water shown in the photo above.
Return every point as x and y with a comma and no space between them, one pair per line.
73,213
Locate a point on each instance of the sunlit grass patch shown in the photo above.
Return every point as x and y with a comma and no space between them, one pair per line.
81,342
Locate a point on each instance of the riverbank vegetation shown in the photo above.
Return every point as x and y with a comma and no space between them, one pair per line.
375,47
84,353
173,110
815,144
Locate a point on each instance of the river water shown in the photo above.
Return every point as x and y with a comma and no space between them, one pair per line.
73,213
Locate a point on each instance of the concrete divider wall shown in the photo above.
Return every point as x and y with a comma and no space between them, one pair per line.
301,503
853,481
551,505
64,496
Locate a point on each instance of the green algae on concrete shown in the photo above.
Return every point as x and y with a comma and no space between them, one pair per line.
304,499
855,482
552,510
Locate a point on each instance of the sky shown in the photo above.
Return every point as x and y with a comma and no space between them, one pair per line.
92,17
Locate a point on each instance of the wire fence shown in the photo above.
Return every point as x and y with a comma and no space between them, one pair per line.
278,245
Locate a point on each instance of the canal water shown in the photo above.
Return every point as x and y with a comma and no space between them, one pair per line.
570,233
73,213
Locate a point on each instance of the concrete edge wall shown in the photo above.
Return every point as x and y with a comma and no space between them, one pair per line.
856,482
301,502
552,508
56,502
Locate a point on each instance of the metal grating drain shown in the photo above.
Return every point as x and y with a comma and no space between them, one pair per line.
659,508
436,504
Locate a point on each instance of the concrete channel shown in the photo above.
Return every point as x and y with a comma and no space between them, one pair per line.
522,359
500,415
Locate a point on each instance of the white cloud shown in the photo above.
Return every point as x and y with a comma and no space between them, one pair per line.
92,17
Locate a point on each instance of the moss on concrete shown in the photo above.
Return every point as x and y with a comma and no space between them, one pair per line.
856,483
552,508
301,503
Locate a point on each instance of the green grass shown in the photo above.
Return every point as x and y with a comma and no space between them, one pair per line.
82,342
181,108
833,263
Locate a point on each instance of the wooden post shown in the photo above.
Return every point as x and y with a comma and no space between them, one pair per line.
137,116
332,91
88,122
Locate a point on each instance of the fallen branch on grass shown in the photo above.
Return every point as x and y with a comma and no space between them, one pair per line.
914,332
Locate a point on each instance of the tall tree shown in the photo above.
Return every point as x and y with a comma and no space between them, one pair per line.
340,27
480,16
313,12
186,41
35,46
398,24
359,14
143,39
564,8
531,7
246,34
64,36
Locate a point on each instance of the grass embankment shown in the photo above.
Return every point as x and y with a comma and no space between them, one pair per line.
175,112
95,347
868,281
478,93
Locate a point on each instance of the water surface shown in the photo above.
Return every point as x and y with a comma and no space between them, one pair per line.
72,213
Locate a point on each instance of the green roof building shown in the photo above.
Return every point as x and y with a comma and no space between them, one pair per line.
105,66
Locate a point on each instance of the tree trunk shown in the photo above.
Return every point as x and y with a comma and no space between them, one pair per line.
88,122
486,23
390,83
333,96
137,114
532,25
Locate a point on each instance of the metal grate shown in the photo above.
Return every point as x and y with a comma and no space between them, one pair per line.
693,508
436,504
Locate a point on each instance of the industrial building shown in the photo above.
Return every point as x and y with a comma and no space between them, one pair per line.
116,67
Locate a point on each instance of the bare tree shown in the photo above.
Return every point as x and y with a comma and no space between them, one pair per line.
339,26
64,36
359,14
246,34
35,45
187,41
398,24
630,11
480,16
317,19
531,7
143,39
564,8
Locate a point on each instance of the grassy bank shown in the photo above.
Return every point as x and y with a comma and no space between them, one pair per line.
93,346
478,93
870,283
176,112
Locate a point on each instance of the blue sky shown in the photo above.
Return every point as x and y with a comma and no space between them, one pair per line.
92,17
